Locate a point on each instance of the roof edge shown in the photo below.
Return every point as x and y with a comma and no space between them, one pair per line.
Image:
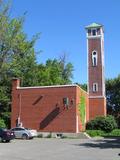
94,25
82,89
52,86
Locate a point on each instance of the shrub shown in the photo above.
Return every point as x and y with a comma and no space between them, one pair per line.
49,135
6,117
2,123
106,124
40,136
115,132
100,133
95,133
118,120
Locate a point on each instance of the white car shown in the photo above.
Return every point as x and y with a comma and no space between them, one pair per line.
24,133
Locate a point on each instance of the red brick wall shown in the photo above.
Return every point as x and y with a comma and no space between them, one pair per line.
43,109
97,101
97,107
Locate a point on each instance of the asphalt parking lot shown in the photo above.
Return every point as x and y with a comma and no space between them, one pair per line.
61,149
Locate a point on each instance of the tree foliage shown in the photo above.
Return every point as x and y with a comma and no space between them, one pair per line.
113,97
113,94
55,72
83,86
2,123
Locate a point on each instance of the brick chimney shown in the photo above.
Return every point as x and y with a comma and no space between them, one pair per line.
15,83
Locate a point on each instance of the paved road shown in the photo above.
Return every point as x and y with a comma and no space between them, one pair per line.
61,149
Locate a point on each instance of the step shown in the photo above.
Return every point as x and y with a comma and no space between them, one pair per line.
80,135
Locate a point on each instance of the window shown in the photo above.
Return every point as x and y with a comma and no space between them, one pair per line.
94,58
98,31
95,87
66,101
89,32
18,129
94,32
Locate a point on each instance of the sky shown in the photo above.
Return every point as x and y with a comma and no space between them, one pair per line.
62,27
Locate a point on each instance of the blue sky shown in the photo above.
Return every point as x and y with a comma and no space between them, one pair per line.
62,22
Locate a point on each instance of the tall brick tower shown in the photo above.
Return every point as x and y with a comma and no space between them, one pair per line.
96,80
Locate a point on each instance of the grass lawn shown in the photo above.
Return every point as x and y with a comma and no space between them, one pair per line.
99,133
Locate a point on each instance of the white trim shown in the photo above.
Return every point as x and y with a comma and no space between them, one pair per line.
20,101
95,87
102,60
77,125
97,97
53,86
87,68
93,37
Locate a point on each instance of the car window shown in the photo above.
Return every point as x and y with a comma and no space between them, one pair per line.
13,129
1,130
18,129
21,129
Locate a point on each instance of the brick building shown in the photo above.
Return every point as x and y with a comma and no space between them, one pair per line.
49,108
64,108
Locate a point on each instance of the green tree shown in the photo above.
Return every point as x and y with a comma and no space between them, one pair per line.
2,123
113,97
83,86
66,69
51,73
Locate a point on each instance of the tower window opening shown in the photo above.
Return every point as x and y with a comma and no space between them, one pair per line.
89,32
94,58
98,31
94,32
95,87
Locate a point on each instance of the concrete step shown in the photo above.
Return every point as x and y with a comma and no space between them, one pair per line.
80,135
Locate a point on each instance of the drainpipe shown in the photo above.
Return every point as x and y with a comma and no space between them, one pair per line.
19,123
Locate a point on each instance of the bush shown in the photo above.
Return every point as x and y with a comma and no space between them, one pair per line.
95,133
115,132
118,121
49,135
40,136
106,124
2,123
6,117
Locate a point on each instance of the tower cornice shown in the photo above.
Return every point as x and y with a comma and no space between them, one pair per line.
94,37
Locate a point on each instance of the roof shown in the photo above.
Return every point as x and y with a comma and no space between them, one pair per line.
52,86
93,25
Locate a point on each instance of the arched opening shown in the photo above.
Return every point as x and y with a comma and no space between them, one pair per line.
95,87
94,58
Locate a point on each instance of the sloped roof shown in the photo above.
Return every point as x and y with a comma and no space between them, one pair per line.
93,25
